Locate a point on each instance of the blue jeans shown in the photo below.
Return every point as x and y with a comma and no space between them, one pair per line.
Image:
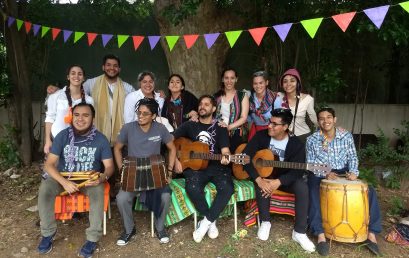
314,211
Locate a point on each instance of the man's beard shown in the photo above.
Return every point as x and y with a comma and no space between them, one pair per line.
82,132
111,77
206,115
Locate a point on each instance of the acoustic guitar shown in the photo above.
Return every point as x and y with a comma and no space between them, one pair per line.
195,155
265,161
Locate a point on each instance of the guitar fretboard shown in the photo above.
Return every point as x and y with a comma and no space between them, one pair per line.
282,164
207,156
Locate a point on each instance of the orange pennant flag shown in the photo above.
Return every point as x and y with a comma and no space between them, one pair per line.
91,37
190,40
27,25
258,34
343,20
137,40
55,32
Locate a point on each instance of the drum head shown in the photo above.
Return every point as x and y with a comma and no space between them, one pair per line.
342,181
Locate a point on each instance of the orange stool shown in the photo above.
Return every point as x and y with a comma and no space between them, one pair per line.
66,205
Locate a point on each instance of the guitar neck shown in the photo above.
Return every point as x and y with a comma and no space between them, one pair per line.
206,156
283,164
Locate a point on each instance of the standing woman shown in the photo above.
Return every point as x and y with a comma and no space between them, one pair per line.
180,105
301,104
59,104
232,108
261,103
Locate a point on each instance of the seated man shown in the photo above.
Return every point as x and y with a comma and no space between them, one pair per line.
208,131
335,147
288,148
144,139
80,147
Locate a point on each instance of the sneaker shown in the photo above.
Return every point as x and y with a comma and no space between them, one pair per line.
125,238
46,244
163,236
201,230
88,249
213,232
304,241
264,231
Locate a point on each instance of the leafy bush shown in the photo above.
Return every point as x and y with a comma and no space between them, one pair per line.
368,175
9,156
397,206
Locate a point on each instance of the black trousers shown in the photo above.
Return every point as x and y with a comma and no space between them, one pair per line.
196,181
300,189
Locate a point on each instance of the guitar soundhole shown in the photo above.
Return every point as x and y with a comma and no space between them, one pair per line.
259,163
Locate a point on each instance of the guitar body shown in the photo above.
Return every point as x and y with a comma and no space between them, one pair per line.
257,160
184,149
238,170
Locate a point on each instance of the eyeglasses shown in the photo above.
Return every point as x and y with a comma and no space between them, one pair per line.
139,113
273,124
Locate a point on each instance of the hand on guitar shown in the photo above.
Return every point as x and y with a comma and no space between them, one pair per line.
69,187
351,176
225,160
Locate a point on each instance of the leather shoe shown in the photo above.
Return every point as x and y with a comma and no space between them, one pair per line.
323,248
373,247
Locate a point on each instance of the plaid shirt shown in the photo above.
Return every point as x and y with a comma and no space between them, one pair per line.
340,153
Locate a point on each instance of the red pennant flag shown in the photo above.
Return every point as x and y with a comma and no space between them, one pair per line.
27,25
258,34
343,20
190,40
91,37
55,32
137,40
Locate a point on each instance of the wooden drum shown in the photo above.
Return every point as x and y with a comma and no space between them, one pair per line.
344,210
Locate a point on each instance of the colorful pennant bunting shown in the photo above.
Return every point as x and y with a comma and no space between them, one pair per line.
153,40
66,34
311,26
27,25
55,32
122,39
190,40
405,6
137,40
210,39
106,38
282,30
91,37
343,20
44,30
258,34
377,14
19,24
232,36
78,35
36,29
171,41
10,21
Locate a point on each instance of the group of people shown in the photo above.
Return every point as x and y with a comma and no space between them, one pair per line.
87,121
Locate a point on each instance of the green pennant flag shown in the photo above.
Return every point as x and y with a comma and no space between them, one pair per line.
122,39
232,36
19,23
44,30
405,5
78,35
171,41
311,26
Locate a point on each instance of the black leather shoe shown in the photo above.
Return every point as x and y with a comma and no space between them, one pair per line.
323,248
373,247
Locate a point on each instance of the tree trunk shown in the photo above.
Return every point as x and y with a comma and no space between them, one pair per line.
201,67
21,81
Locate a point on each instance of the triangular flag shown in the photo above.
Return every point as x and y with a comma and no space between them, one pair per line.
377,14
36,28
258,34
311,26
10,21
405,5
343,20
171,41
19,23
78,35
66,34
190,40
210,39
232,36
282,30
55,32
106,38
27,25
91,37
137,40
153,40
122,39
44,30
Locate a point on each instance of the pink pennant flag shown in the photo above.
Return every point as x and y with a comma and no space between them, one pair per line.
343,20
36,29
282,30
153,40
190,40
137,40
210,39
27,25
91,37
10,21
55,32
258,34
66,34
106,38
377,14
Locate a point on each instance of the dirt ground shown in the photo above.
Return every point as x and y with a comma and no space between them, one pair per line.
20,235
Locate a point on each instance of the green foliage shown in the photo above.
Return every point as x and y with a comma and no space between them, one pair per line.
177,13
368,175
397,206
380,153
5,90
288,249
9,156
393,181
